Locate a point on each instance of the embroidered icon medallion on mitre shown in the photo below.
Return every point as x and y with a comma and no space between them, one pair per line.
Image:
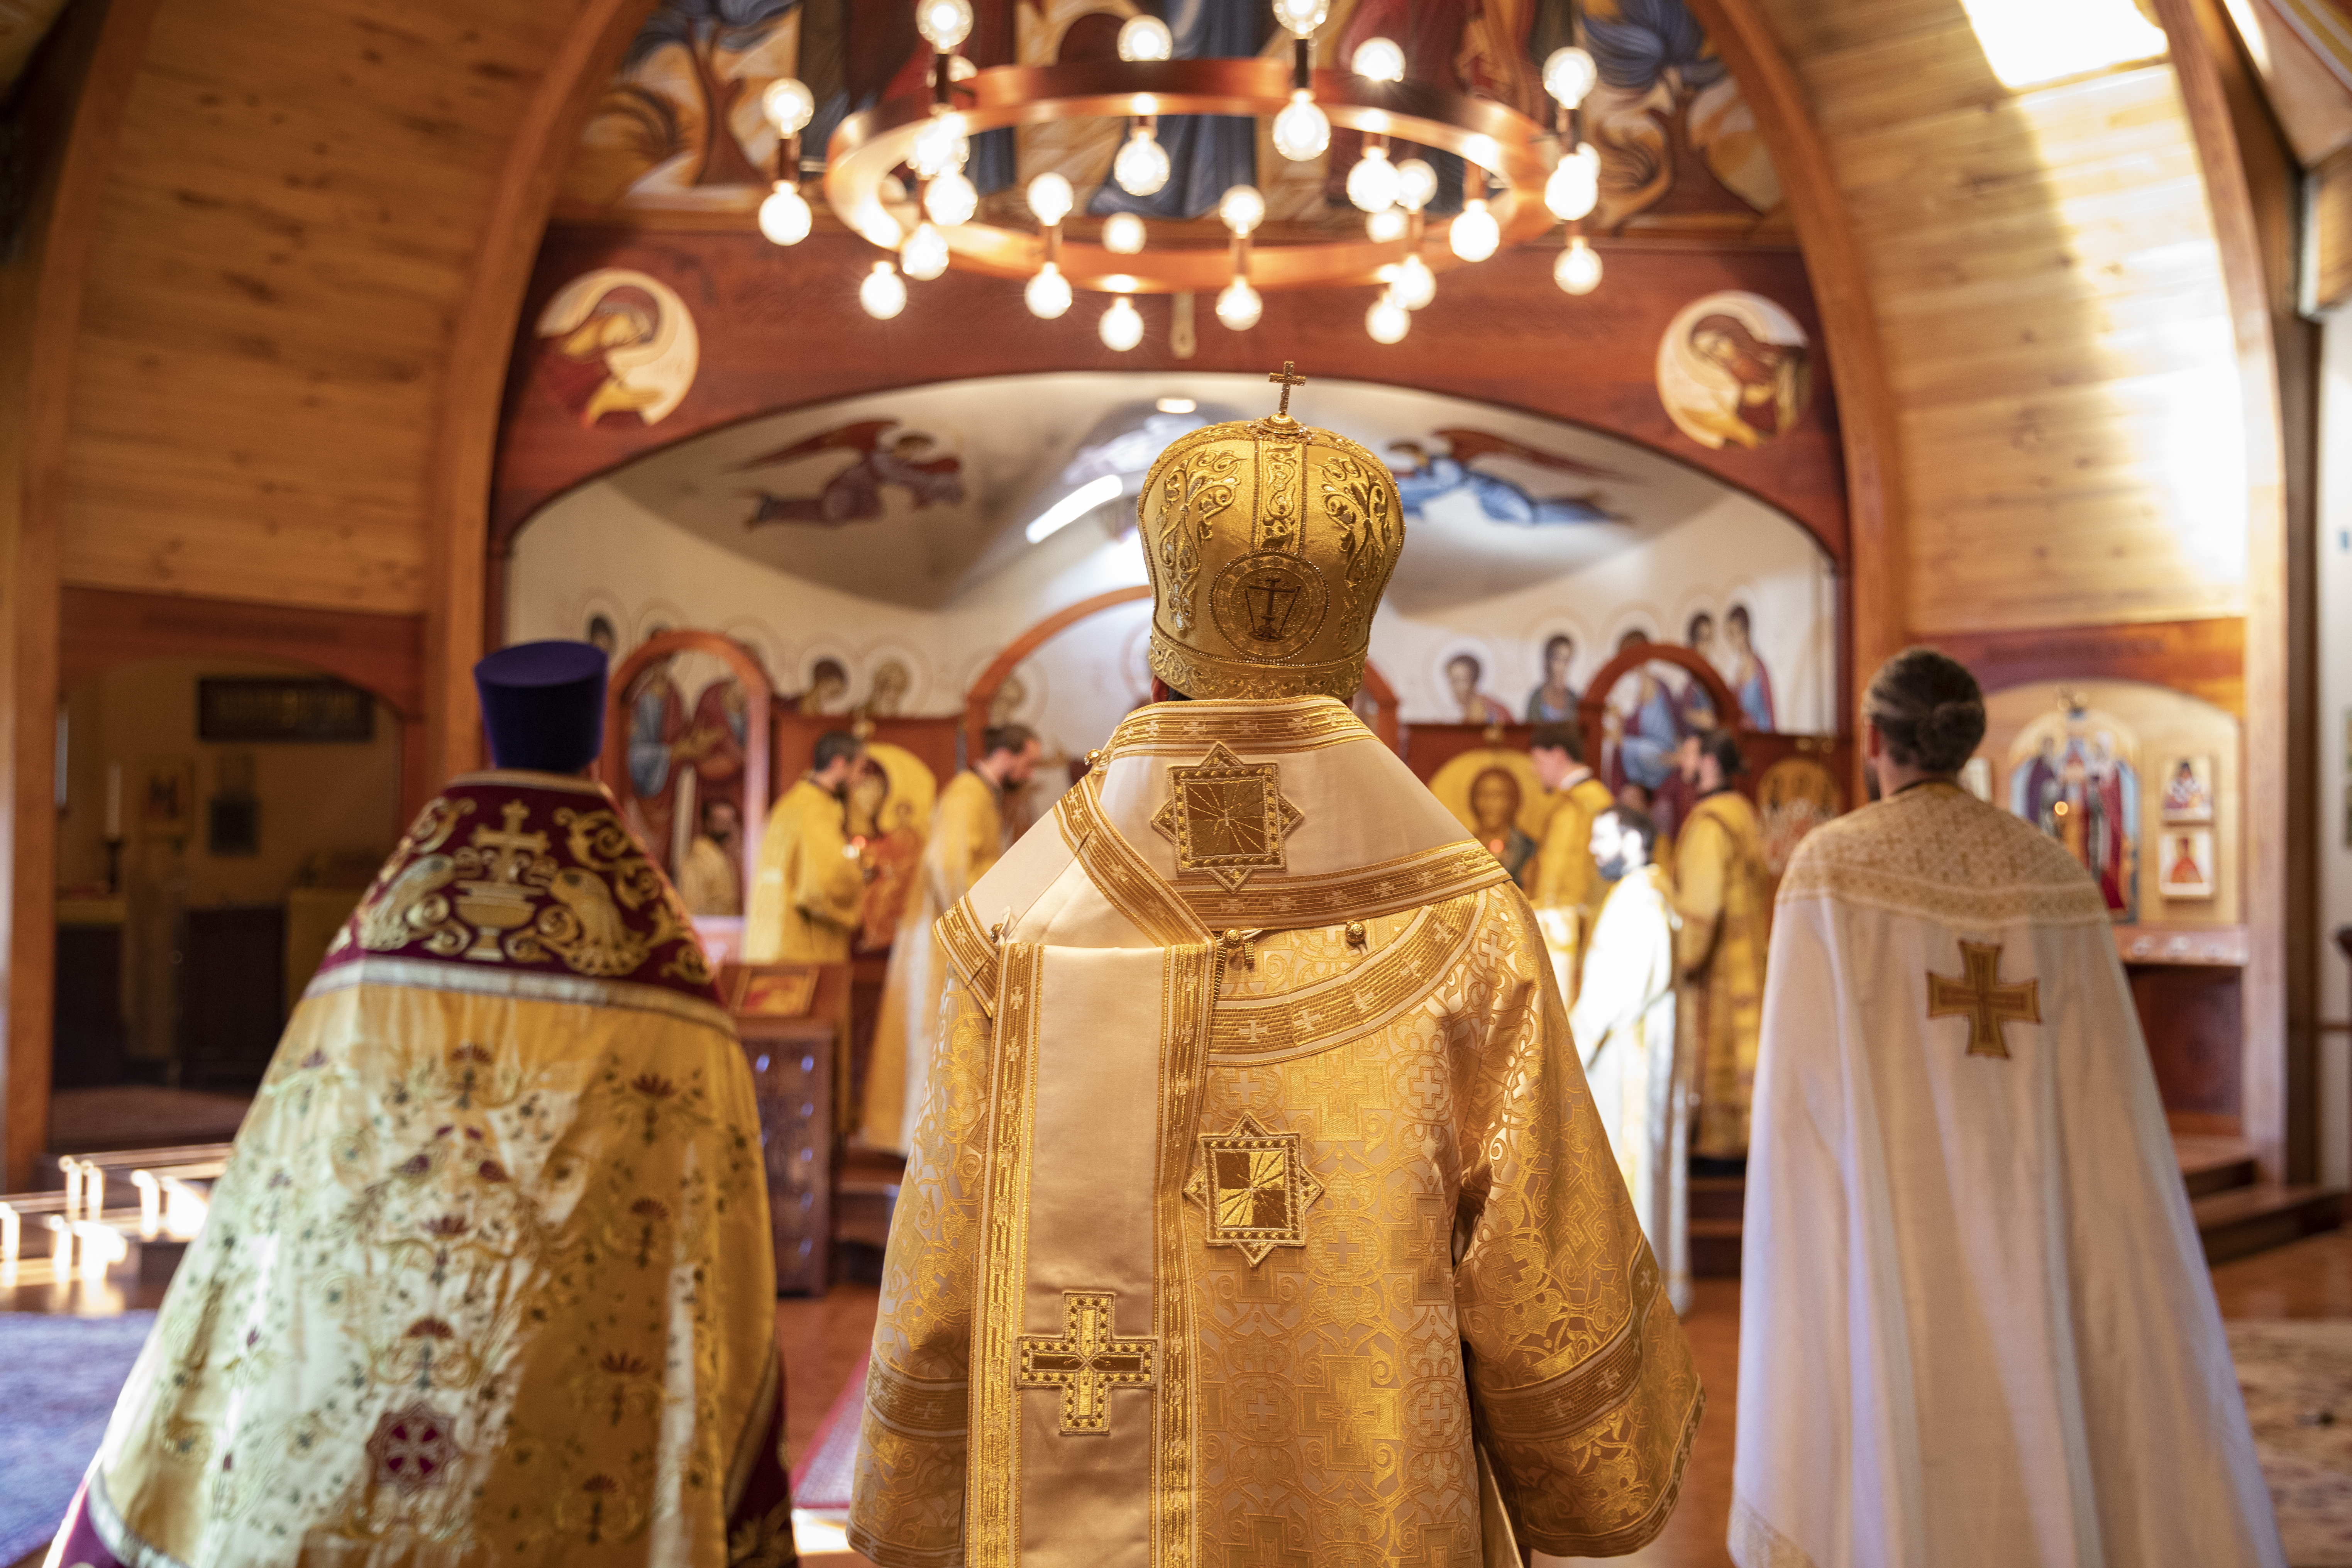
1257,1188
1227,816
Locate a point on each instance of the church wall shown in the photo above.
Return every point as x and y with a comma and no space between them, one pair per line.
1501,331
2049,301
2334,762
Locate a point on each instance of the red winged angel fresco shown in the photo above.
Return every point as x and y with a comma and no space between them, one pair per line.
853,494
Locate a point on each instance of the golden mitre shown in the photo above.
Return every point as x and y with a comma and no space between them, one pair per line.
1269,544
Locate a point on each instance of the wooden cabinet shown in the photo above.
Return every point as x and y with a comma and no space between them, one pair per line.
792,1019
232,994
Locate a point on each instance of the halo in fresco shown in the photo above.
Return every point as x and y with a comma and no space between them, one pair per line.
1733,367
616,342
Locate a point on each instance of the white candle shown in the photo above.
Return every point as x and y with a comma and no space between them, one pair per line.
114,800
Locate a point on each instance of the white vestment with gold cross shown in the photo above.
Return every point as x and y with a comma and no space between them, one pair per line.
1256,1173
1976,1321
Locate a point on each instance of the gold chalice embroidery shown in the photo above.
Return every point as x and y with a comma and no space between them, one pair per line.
1227,816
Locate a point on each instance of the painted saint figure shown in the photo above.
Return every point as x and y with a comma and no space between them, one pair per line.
1555,702
1494,802
1463,675
1749,680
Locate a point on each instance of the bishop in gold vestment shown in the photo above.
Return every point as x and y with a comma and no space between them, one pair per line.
1568,889
967,835
1260,1211
488,1280
1723,893
806,900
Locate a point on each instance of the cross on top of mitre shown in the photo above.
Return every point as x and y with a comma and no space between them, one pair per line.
1286,378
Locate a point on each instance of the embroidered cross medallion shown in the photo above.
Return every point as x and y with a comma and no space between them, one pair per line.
1983,1000
1087,1362
1255,1187
1227,816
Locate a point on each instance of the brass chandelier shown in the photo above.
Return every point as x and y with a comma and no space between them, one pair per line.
1519,177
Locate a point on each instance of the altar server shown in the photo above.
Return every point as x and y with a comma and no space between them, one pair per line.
811,889
1568,889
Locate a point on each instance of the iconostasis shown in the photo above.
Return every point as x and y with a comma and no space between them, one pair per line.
877,554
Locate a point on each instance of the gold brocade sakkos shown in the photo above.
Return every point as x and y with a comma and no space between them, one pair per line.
1296,1241
488,1280
1723,892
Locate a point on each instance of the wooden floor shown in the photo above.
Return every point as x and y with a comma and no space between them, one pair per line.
823,1340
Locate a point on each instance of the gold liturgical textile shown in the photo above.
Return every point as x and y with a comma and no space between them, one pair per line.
1317,1257
1983,1000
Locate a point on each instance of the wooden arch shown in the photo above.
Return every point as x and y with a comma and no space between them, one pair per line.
613,765
992,680
1590,711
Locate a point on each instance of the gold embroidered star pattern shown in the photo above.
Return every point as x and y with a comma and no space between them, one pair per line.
1256,1187
1227,816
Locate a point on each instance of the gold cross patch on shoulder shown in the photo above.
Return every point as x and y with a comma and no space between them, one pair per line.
1227,816
1256,1187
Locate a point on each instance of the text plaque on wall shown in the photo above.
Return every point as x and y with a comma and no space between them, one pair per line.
271,708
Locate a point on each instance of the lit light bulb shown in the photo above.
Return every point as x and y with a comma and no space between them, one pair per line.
788,104
940,145
1379,59
1416,183
1578,270
1048,293
875,225
1300,132
1301,17
784,216
1145,38
950,200
1373,183
1569,75
1238,306
944,24
1122,328
1575,186
1474,234
1387,225
1241,208
1415,284
925,254
884,292
1050,197
1388,320
1122,233
1141,166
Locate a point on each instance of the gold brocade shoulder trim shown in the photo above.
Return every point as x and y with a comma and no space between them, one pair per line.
1274,728
1268,1028
521,986
1123,877
1940,854
973,954
1364,893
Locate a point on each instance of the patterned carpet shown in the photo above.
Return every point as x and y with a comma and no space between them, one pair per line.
58,1377
2299,1381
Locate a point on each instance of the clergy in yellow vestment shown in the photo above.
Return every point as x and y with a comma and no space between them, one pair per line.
1259,1211
967,835
710,880
1624,1028
1566,889
806,899
488,1280
1723,891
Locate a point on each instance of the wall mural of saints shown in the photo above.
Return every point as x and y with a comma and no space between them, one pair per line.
1677,138
913,461
2075,774
617,343
1733,368
1436,479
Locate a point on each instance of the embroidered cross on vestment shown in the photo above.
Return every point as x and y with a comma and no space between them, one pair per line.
1981,998
1087,1362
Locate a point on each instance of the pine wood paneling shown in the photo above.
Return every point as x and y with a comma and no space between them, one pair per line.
288,234
2057,332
